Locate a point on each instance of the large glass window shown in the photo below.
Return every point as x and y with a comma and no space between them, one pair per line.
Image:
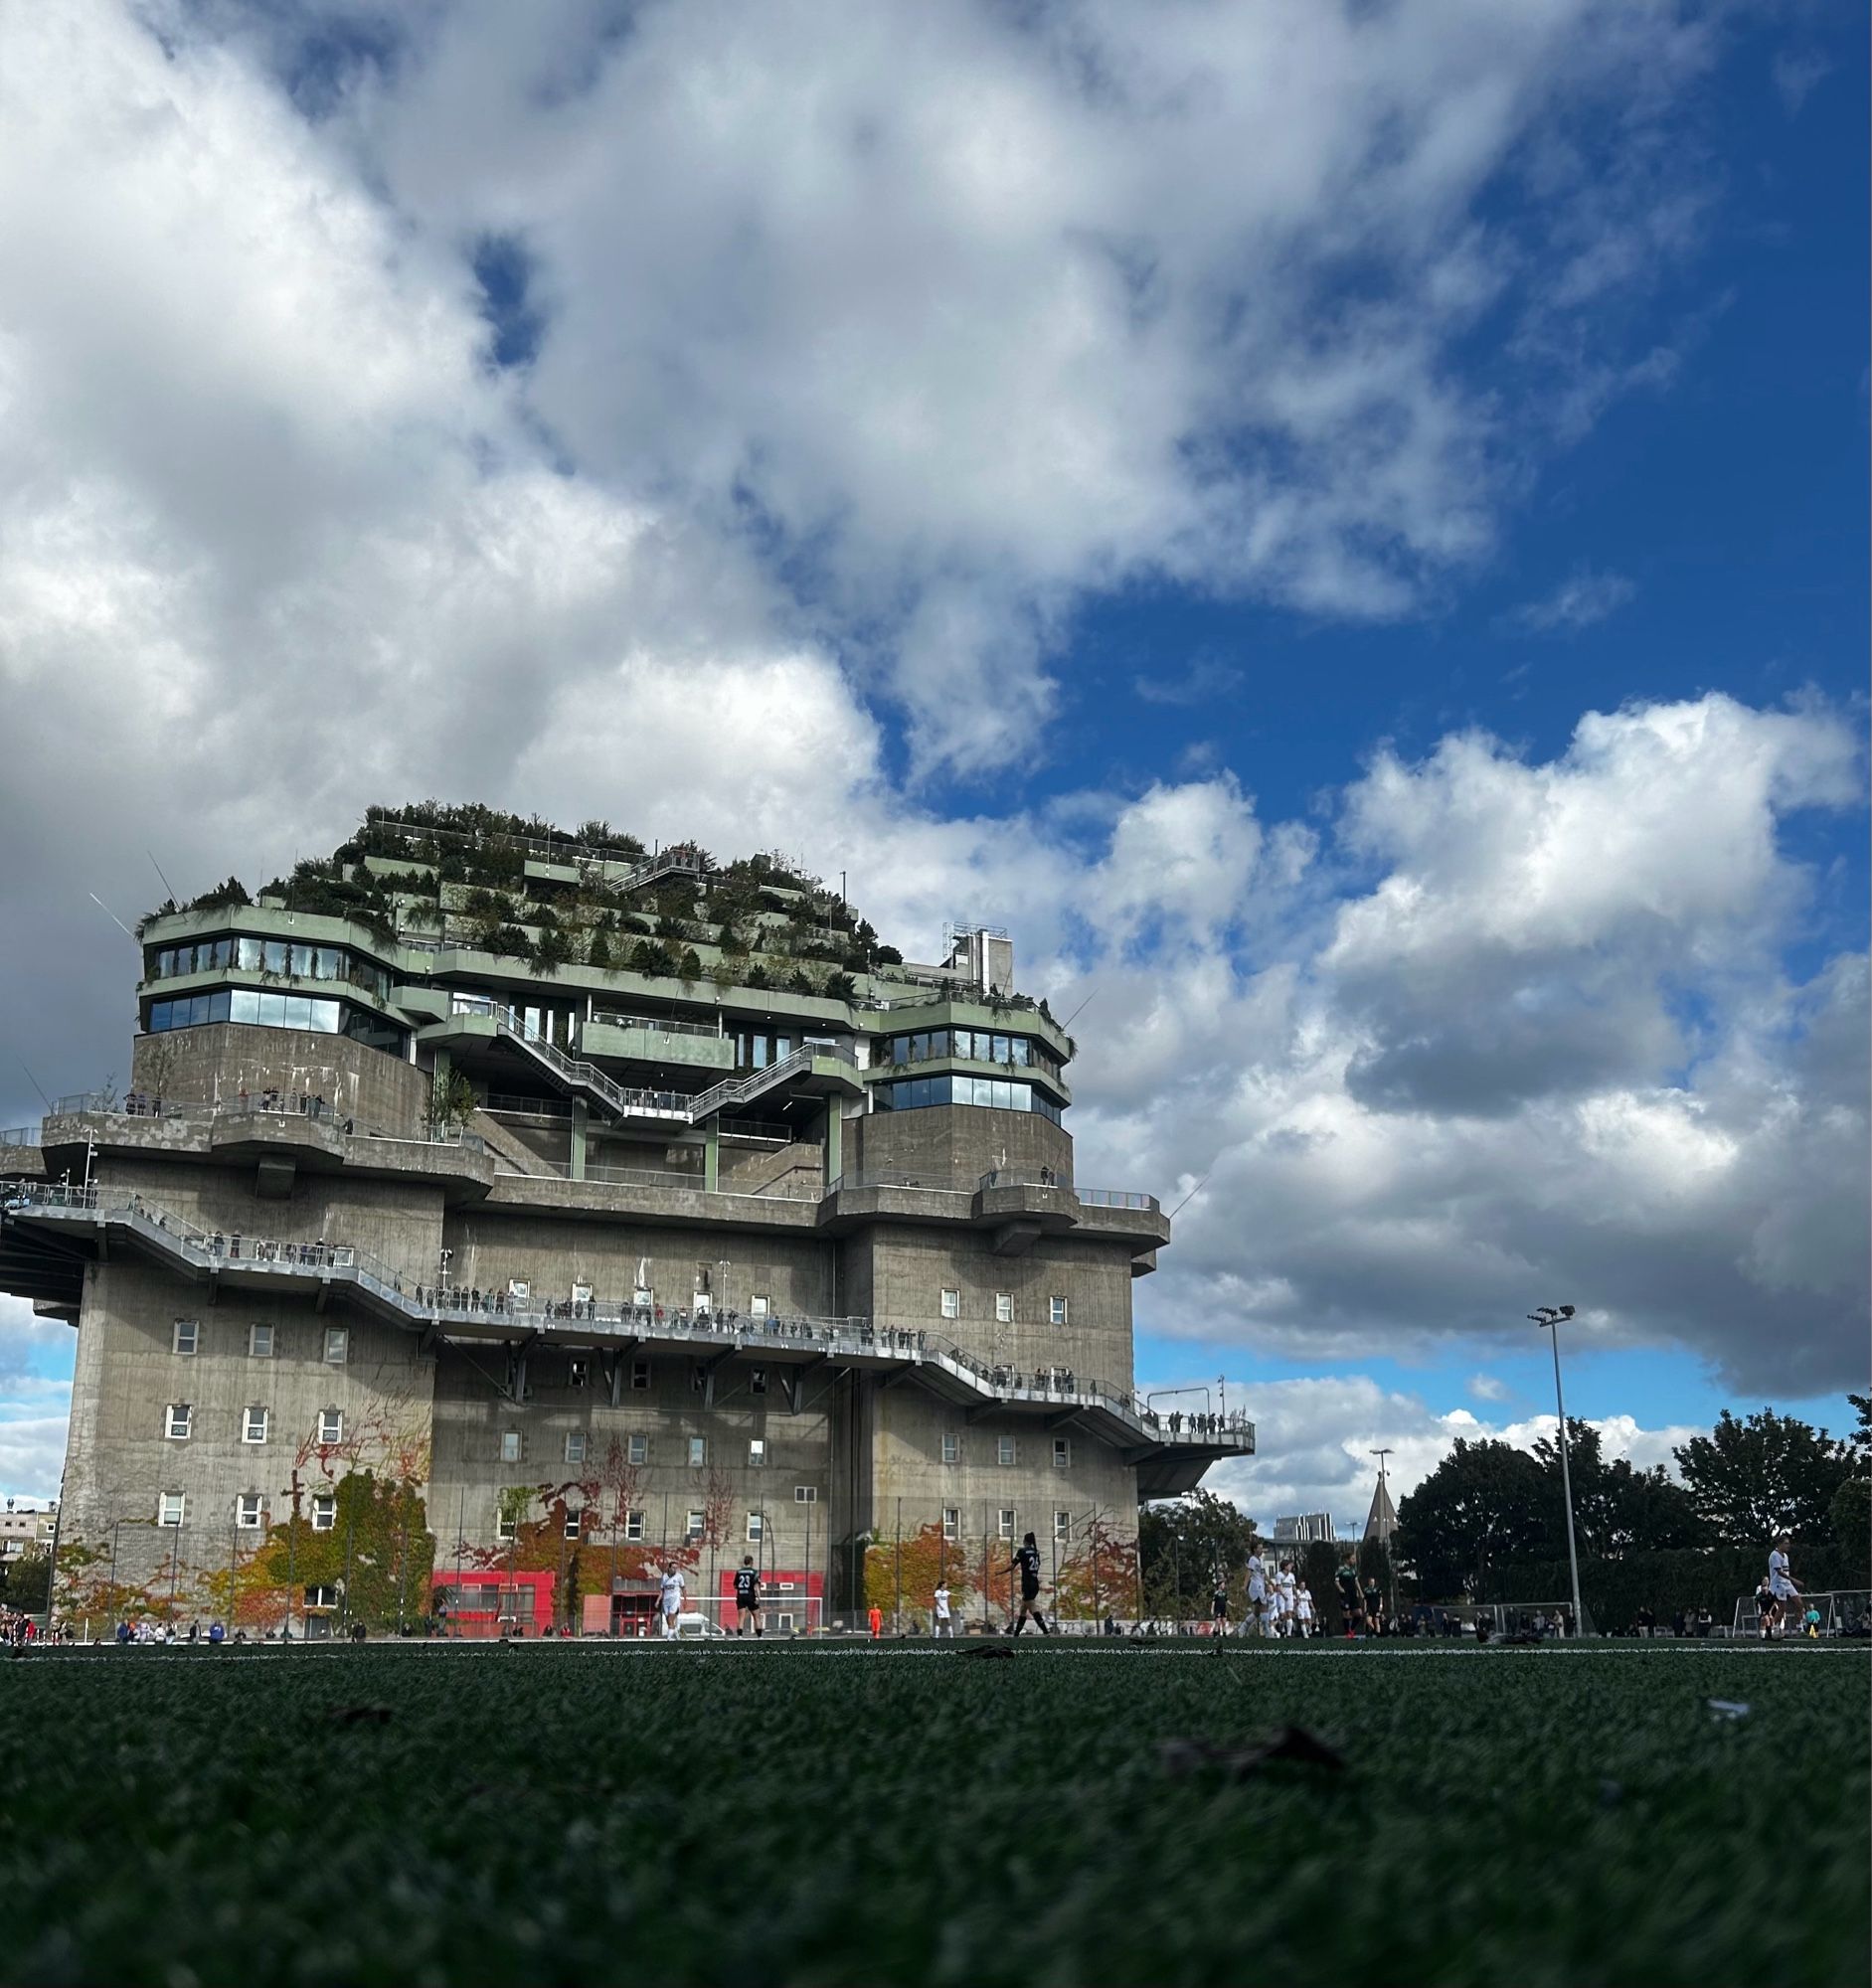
248,1004
913,1094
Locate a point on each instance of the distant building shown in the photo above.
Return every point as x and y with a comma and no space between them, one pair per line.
1308,1528
1382,1521
24,1520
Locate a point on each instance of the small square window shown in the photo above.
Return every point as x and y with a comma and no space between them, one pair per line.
247,1512
757,1528
179,1421
1062,1525
641,1375
324,1511
697,1451
697,1377
337,1345
505,1524
575,1525
170,1507
260,1341
951,1448
188,1335
1056,1310
1005,1307
1006,1521
1004,1449
578,1371
952,1522
510,1445
574,1445
952,1304
633,1524
758,1305
331,1426
1062,1452
757,1379
323,1594
694,1526
805,1494
254,1426
756,1452
637,1448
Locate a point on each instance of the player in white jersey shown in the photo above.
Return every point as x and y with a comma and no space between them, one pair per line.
1287,1587
1303,1606
943,1623
671,1599
1257,1591
1780,1574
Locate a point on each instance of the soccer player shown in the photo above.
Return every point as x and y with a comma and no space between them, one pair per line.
1303,1602
1766,1608
1351,1605
1780,1575
1287,1590
748,1609
943,1623
1256,1588
1027,1562
670,1599
1219,1606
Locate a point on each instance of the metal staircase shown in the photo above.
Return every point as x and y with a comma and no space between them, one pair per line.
324,1266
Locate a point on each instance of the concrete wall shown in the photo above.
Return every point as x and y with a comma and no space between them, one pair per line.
120,1460
218,1062
956,1143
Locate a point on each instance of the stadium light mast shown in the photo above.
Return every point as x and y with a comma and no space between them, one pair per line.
1548,1318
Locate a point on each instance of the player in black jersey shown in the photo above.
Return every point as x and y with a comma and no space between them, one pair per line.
1026,1562
748,1607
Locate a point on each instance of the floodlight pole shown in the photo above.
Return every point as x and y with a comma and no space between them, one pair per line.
1548,1319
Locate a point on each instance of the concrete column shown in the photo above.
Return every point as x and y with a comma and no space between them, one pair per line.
580,1112
834,1140
712,1155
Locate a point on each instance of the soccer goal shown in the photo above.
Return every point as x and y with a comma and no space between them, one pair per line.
1840,1609
1508,1619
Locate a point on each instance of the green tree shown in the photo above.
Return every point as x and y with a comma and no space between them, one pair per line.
1185,1545
1850,1513
1486,1503
1765,1475
28,1579
1615,1509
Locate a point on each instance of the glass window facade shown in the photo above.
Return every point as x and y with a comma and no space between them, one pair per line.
979,1045
911,1093
310,1012
269,955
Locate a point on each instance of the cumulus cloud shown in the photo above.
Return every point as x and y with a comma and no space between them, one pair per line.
716,427
1315,1442
1576,603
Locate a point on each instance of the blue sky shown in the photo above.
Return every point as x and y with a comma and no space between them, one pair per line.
1348,537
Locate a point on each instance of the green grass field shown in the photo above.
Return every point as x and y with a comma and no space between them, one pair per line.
778,1812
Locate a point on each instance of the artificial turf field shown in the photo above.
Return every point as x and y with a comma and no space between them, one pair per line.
754,1813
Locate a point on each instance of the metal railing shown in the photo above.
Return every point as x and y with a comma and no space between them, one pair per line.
292,1105
899,1176
1046,1178
1119,1197
728,1328
653,1025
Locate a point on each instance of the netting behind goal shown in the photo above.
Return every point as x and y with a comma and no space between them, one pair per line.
1527,1618
1839,1609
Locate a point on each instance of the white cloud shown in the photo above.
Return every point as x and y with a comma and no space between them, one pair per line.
1487,1388
1315,1439
1576,603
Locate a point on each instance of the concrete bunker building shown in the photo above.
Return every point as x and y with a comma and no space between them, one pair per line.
590,1195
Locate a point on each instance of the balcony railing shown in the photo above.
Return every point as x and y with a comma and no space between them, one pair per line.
266,1104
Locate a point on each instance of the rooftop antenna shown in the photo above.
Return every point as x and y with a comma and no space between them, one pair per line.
1079,1010
1191,1196
112,916
157,866
34,1082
